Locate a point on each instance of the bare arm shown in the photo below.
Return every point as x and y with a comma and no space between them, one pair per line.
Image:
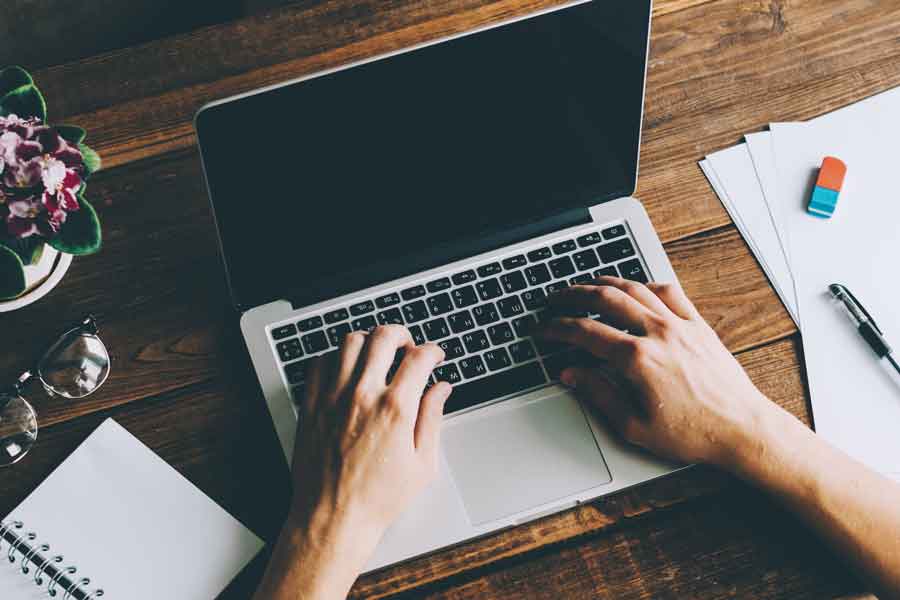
684,396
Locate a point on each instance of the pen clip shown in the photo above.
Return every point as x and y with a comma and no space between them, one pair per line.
862,308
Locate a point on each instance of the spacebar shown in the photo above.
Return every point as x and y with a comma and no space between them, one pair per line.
495,386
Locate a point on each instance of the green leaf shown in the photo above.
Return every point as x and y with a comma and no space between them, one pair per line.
71,133
12,277
12,78
24,101
28,249
92,161
81,232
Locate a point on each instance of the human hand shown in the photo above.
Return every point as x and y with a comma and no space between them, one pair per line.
683,396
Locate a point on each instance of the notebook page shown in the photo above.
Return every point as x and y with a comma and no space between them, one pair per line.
133,524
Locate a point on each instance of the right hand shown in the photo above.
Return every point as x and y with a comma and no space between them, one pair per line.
684,396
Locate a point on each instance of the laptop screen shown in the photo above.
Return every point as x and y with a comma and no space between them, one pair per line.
369,173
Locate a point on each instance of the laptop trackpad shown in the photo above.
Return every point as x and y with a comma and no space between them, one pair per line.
512,457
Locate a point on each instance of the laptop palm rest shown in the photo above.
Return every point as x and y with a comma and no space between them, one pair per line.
522,454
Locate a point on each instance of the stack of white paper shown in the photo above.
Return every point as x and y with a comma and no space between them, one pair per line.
765,184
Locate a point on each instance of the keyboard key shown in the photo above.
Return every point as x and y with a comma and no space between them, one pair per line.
537,275
464,296
563,247
464,277
334,316
452,348
496,359
583,279
545,347
524,325
391,316
556,286
561,267
415,311
337,333
522,351
513,282
279,333
486,313
413,292
539,254
472,366
613,232
440,304
633,270
490,269
315,342
534,299
418,337
589,239
297,394
289,350
309,324
296,371
448,373
607,272
489,289
366,323
586,259
476,342
510,307
461,321
439,285
436,329
500,334
615,250
502,384
389,300
514,262
362,308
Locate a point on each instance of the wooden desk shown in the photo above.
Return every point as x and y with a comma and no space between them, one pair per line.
182,383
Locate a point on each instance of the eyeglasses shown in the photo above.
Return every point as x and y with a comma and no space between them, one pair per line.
74,367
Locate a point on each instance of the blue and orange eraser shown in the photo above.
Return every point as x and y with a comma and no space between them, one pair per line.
828,186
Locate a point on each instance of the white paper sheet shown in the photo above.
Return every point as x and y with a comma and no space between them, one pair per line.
762,153
132,524
737,175
855,401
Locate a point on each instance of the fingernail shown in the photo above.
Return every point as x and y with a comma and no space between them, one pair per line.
567,378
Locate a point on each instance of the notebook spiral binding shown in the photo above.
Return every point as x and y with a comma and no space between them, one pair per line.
48,570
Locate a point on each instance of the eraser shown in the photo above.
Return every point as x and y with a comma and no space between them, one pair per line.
828,186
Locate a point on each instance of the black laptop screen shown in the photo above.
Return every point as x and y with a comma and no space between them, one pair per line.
340,181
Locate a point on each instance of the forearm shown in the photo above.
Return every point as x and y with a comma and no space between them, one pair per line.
855,509
314,563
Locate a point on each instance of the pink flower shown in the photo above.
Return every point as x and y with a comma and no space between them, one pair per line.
62,197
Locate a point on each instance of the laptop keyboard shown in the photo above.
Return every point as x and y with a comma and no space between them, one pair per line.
481,317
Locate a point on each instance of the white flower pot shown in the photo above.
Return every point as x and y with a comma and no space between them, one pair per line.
40,278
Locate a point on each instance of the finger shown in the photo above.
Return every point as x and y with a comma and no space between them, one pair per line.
380,352
349,365
600,339
598,390
675,299
607,301
639,292
431,415
316,380
412,376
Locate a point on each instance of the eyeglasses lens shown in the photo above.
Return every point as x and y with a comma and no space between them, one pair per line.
75,366
18,429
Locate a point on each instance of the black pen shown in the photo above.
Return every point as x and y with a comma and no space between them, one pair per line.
864,323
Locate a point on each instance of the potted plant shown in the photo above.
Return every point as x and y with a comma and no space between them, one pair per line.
44,216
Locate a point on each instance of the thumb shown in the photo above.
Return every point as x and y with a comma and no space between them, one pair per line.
599,390
431,414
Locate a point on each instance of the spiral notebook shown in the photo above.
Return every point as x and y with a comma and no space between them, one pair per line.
126,525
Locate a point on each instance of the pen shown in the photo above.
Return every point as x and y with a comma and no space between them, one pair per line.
864,323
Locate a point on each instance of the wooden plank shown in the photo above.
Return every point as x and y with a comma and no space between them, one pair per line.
164,310
705,85
773,368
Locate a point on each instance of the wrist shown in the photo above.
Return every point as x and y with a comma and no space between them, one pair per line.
761,442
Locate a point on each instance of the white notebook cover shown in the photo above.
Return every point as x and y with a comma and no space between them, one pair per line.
132,524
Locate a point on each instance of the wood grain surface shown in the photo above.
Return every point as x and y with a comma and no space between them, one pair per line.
181,380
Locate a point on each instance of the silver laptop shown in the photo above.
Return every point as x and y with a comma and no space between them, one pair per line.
451,188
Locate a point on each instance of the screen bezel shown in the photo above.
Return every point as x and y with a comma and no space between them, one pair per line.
482,242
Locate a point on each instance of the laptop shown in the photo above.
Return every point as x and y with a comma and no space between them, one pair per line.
451,188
